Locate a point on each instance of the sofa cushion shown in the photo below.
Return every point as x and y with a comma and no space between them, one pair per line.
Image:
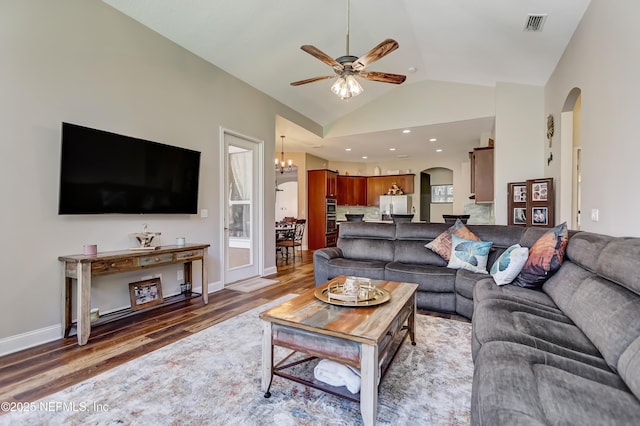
367,241
507,267
629,366
467,280
584,249
428,277
516,385
607,313
486,289
442,243
545,257
407,251
357,268
509,321
469,255
619,261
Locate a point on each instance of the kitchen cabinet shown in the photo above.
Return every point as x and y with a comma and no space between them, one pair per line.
379,185
321,185
352,191
482,174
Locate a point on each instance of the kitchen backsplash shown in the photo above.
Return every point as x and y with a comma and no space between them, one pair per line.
370,213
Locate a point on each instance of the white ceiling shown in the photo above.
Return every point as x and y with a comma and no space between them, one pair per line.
467,41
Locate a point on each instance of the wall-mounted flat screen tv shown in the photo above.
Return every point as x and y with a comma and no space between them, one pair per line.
103,172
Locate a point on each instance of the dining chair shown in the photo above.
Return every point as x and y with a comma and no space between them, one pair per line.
354,217
293,239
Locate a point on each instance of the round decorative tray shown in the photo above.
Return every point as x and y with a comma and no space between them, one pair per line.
368,295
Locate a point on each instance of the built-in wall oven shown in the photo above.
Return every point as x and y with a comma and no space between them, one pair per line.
331,209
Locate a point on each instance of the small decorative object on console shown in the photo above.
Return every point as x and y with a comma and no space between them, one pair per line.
145,238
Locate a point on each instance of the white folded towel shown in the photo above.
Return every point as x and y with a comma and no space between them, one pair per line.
336,374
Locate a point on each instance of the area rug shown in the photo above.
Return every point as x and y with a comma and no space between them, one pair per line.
213,378
252,284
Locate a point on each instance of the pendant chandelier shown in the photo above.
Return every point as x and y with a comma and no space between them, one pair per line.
281,165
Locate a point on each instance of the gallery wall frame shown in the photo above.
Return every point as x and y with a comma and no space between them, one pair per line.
531,203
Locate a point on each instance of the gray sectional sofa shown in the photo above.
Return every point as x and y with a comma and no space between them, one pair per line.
568,353
396,252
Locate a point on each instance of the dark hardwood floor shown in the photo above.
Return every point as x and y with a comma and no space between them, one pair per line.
40,371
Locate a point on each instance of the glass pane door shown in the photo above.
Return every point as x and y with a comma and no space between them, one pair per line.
240,210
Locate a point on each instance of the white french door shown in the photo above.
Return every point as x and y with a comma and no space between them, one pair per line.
242,206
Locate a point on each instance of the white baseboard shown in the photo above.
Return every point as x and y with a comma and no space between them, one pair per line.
33,338
30,339
215,286
269,271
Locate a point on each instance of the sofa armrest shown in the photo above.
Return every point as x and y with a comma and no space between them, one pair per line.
321,260
328,253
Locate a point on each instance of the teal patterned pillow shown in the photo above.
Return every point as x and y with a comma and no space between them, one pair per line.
509,264
469,255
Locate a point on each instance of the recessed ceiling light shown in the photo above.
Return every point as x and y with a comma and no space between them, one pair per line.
433,140
392,149
438,150
347,149
406,131
364,157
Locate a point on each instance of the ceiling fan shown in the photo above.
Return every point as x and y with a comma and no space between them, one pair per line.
347,67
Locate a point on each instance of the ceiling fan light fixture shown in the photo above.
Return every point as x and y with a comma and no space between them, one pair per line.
347,87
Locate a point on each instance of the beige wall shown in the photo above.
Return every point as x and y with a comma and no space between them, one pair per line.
602,61
81,61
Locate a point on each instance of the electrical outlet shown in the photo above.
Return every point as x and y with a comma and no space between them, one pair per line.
180,275
595,215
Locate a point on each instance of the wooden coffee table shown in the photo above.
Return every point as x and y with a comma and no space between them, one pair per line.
363,337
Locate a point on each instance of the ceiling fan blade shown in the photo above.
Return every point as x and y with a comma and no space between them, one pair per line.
380,51
383,77
311,80
319,54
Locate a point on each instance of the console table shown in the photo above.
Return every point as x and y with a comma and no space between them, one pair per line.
82,268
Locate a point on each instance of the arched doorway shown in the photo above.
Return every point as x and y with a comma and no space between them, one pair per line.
432,210
571,154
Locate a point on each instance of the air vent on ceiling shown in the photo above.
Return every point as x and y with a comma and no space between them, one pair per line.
535,22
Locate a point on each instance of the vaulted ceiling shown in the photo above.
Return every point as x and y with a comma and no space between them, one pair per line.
478,42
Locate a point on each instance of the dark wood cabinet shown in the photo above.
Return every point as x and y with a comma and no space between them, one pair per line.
482,174
352,191
321,184
379,185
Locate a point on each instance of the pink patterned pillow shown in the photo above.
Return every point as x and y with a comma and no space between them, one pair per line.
442,243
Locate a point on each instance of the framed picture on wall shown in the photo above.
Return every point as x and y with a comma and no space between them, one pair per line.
539,216
520,193
519,216
540,191
540,208
517,203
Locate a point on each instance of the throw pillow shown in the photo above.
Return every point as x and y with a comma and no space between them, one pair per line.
507,267
442,243
469,255
545,257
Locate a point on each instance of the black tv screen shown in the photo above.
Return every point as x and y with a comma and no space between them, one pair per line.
103,172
